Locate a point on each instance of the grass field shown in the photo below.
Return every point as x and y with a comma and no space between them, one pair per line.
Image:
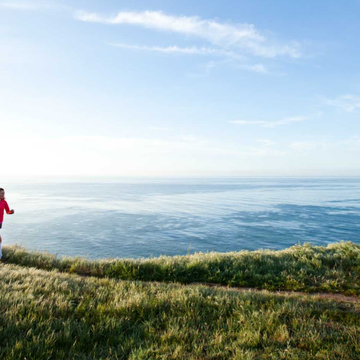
51,314
335,268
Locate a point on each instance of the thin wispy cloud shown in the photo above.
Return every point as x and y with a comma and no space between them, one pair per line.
349,144
271,124
244,36
193,50
349,103
258,68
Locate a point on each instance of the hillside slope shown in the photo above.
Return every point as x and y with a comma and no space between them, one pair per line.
54,315
334,268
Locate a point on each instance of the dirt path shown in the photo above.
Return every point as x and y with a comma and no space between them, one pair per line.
319,295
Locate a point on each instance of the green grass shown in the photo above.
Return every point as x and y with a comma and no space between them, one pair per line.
54,315
335,268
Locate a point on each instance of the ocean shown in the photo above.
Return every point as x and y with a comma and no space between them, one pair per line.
132,218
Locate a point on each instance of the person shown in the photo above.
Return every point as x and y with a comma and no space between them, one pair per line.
3,206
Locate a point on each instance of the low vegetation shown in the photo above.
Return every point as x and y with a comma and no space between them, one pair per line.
334,268
54,315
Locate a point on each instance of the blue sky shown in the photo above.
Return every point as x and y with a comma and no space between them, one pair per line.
180,88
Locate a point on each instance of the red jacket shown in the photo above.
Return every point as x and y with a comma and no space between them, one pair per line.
3,206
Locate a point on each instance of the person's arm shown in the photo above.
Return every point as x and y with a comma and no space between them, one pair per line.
7,209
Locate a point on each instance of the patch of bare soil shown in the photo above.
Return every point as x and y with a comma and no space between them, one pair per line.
319,295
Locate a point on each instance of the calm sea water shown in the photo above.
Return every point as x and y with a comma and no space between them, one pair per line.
143,218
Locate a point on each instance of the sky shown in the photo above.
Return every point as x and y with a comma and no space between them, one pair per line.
179,88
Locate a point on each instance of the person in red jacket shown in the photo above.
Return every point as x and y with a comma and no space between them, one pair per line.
3,206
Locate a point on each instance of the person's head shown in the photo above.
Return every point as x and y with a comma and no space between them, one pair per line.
2,194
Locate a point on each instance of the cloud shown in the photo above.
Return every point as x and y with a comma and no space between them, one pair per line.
249,122
229,56
349,144
258,68
193,50
244,36
271,124
349,103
